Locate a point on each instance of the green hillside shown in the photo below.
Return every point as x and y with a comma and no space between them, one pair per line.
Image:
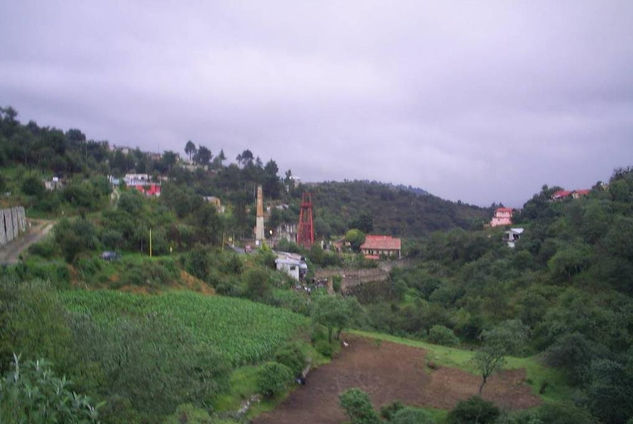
386,209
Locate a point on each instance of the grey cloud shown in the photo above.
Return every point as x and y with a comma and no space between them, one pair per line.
478,101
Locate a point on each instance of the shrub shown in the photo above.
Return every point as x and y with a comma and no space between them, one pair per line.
291,356
273,378
564,413
388,411
358,407
324,347
411,416
443,336
33,186
473,410
45,249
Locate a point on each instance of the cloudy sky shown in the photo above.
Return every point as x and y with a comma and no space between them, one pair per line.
480,101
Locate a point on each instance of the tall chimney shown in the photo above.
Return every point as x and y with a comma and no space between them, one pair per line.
259,223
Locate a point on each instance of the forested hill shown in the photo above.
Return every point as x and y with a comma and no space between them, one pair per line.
384,208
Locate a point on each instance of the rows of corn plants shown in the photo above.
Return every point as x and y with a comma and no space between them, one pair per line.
243,331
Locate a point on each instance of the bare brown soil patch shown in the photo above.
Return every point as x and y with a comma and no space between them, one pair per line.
389,372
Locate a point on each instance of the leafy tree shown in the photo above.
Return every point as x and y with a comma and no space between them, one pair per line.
611,390
358,407
356,238
32,393
473,411
190,149
202,156
573,353
271,184
74,237
273,378
33,186
245,158
569,261
364,222
443,336
257,285
504,339
335,313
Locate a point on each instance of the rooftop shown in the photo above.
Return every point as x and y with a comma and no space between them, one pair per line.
381,242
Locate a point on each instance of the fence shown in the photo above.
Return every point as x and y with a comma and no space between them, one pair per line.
12,224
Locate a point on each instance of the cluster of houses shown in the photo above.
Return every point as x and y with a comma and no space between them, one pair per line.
503,216
141,182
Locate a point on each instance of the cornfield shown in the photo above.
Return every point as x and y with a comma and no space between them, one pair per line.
243,331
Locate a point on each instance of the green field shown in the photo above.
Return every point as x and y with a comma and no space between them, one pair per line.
243,331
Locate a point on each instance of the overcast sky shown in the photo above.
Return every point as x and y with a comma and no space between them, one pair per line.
480,101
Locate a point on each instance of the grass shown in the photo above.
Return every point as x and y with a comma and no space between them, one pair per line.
546,382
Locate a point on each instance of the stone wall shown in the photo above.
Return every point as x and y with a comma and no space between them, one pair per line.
12,224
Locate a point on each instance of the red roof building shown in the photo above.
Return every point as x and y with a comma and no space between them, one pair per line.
149,189
503,216
565,194
579,193
375,246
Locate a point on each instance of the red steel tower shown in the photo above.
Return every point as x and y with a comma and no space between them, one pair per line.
305,232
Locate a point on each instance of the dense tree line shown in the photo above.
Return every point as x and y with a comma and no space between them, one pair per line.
568,282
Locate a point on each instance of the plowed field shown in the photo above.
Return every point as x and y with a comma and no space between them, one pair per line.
390,372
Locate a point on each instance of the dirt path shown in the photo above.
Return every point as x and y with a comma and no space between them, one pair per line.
10,253
389,372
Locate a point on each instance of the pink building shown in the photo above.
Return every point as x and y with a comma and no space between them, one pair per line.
503,216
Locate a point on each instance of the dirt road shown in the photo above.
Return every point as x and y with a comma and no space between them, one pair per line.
10,253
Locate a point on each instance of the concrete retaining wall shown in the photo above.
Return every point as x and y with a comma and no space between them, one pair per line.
12,224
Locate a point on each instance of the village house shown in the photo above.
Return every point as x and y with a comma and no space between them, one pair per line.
143,183
292,264
566,194
215,201
512,236
377,245
503,216
54,183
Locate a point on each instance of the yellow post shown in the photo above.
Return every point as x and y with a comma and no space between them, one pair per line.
150,242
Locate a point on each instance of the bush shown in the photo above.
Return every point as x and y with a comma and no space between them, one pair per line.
443,336
358,407
291,356
411,416
473,410
564,413
388,411
324,347
33,186
45,249
273,378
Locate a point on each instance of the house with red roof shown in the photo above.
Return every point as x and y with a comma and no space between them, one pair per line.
561,194
576,194
566,194
503,216
377,245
